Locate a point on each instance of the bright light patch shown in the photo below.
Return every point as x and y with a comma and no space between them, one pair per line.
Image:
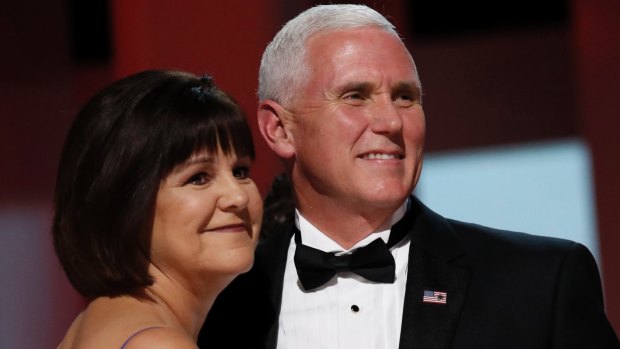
542,188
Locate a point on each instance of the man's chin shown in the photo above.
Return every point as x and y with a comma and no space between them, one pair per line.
386,199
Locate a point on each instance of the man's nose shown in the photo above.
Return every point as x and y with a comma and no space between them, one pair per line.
386,118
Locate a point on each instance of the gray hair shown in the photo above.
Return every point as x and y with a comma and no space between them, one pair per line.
283,67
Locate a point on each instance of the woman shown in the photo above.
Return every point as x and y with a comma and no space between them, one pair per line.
155,212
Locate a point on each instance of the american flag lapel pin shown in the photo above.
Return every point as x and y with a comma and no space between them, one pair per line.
435,297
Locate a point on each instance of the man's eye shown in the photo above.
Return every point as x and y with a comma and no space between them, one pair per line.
405,100
353,96
198,179
241,172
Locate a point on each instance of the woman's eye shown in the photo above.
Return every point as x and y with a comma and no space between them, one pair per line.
241,172
198,179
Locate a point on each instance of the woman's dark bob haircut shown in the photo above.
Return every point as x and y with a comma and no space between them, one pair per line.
120,147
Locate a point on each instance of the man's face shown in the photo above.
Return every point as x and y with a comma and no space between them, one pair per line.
357,125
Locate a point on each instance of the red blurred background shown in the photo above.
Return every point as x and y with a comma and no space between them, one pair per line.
488,79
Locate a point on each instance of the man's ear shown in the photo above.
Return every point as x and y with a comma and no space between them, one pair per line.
272,118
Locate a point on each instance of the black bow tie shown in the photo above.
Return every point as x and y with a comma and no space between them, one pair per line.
374,262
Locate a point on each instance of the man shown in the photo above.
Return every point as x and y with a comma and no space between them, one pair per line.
340,104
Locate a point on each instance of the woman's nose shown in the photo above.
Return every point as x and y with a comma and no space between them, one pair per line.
233,197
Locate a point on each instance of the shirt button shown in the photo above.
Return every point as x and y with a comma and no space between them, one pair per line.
355,308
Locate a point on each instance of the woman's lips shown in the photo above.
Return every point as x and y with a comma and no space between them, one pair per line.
231,228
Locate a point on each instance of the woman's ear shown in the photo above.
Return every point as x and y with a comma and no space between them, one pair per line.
272,118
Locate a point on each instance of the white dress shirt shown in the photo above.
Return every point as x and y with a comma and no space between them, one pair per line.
349,311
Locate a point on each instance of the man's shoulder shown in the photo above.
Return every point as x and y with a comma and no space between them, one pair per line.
485,245
472,234
481,241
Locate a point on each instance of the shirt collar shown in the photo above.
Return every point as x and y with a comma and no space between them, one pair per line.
313,237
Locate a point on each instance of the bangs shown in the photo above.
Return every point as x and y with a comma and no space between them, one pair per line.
207,129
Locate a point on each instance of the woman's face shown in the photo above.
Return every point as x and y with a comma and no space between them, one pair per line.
207,218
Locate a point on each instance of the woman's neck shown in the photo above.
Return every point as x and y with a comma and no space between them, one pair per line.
182,304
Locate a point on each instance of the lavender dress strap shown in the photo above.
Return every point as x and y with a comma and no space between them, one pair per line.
137,332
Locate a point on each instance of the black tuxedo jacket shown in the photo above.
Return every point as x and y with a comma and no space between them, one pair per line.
505,290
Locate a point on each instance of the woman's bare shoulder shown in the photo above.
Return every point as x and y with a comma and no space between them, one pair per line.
109,323
160,338
67,341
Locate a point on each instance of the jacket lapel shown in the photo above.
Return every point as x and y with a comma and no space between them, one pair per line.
432,254
270,263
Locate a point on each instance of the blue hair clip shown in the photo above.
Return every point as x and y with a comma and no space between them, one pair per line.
199,93
208,81
207,85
